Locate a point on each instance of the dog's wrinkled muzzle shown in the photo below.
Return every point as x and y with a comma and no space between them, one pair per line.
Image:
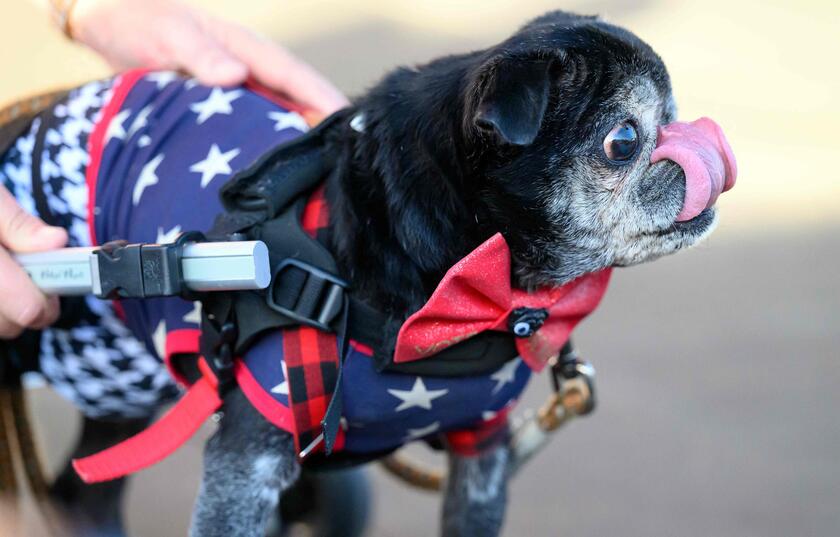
701,150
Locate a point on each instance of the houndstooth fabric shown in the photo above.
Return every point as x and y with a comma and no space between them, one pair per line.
16,169
98,364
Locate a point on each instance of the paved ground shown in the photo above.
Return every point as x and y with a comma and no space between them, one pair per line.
718,368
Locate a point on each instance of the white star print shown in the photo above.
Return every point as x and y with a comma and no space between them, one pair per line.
358,123
168,236
116,128
505,374
140,121
194,316
288,120
217,103
488,415
144,140
417,396
215,164
420,432
159,339
148,177
162,78
282,388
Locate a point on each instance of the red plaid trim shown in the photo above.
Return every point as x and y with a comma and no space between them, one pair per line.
484,436
312,367
316,214
311,355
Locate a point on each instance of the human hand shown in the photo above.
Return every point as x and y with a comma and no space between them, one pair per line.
165,34
22,305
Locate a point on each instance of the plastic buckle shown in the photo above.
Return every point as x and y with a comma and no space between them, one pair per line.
143,270
324,303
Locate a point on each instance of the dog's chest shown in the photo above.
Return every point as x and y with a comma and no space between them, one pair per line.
383,410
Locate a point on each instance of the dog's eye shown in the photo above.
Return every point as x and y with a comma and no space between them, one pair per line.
620,144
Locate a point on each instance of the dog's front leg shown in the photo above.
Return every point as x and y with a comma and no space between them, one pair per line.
476,494
247,463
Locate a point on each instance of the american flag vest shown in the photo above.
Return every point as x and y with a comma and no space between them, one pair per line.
160,152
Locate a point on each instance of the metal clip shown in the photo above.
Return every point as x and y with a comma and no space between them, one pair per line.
573,395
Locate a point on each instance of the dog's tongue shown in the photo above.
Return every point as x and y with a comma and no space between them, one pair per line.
701,150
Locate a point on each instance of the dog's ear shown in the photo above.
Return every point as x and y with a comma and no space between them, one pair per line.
510,98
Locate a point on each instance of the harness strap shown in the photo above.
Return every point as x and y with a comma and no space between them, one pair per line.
313,366
157,442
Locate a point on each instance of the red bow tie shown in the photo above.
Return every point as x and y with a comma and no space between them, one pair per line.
476,295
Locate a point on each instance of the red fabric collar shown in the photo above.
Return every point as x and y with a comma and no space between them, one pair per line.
476,295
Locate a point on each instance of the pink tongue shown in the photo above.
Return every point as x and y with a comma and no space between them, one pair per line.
701,150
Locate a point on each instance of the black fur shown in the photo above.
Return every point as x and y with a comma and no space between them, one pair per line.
449,154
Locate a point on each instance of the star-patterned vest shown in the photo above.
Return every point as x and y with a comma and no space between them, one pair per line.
160,152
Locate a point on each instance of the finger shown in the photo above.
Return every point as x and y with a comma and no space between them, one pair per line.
21,303
278,69
202,56
49,314
22,232
9,330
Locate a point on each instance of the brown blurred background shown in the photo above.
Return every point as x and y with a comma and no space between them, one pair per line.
718,369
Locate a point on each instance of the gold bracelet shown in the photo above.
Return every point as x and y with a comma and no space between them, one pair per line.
61,12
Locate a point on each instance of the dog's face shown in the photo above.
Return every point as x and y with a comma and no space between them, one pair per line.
565,116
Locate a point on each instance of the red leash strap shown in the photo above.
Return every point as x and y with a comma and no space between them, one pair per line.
157,442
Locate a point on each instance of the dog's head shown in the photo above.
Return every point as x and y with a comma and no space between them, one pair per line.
562,121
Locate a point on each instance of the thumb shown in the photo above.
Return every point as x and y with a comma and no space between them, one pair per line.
22,232
205,58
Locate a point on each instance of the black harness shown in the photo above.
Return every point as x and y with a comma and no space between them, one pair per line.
265,202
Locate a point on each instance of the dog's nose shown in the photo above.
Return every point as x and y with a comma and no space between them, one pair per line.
704,154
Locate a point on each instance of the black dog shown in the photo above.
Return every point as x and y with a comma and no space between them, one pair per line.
547,138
